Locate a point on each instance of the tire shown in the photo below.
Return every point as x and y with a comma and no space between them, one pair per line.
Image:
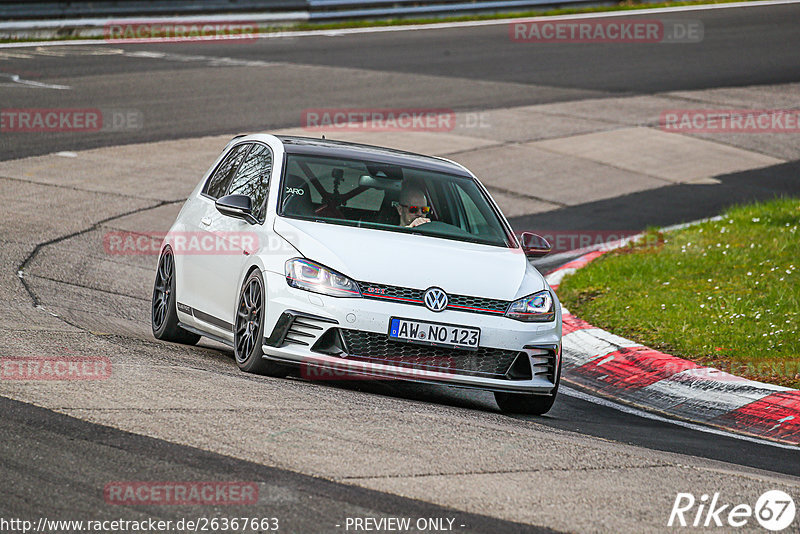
522,403
525,403
163,315
248,332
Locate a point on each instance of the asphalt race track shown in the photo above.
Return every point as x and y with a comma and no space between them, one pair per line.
323,452
189,94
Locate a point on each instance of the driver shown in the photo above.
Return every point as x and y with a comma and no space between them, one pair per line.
412,206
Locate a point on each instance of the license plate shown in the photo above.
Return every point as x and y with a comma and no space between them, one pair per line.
441,335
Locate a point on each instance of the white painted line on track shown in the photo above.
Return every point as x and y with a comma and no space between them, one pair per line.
647,415
432,26
16,80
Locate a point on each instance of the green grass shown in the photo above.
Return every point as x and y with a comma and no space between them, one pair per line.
723,293
626,5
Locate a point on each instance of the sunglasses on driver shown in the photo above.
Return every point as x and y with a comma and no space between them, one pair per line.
414,209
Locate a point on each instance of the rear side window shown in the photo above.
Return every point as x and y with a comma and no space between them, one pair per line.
219,181
252,179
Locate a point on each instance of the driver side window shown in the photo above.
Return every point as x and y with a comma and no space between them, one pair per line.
218,183
252,179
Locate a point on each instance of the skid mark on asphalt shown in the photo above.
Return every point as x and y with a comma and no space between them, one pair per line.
84,286
94,226
74,188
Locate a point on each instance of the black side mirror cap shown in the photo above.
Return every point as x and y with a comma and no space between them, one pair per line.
534,245
238,206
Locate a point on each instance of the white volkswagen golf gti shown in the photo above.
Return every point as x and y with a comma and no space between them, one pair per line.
370,262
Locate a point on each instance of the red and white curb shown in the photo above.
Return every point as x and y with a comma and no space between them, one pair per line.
629,372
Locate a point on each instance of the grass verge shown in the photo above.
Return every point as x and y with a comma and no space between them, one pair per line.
724,294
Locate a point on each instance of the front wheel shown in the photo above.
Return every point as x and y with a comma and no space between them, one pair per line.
525,403
249,330
163,315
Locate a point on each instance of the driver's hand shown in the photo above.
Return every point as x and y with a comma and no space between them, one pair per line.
418,221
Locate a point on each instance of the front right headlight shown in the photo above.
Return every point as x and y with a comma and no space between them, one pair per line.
311,276
536,308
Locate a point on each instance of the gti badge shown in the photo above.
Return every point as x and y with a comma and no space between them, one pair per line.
435,299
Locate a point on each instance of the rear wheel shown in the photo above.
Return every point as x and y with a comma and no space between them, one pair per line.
163,315
249,330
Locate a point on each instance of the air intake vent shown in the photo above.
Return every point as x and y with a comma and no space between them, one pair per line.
298,328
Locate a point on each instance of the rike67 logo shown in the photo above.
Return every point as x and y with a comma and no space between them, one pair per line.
774,510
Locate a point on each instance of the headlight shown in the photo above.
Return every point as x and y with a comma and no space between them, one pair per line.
311,276
533,308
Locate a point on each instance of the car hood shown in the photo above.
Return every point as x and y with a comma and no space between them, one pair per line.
414,261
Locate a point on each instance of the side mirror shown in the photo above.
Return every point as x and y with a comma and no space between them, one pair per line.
238,206
534,245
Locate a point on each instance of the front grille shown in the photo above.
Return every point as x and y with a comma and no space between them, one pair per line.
386,292
408,295
378,348
477,304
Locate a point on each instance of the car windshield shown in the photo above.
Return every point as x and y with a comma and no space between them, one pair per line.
389,197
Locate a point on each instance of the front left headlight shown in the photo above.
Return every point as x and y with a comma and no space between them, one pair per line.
538,308
311,276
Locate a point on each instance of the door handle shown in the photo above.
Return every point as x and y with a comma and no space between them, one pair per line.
206,221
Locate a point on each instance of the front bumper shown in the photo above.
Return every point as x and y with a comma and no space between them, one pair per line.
302,328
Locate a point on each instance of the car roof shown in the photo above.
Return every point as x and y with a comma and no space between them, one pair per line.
341,149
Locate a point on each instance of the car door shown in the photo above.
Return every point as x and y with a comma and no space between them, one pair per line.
241,238
196,246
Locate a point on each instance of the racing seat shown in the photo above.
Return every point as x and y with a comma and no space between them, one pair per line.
388,214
